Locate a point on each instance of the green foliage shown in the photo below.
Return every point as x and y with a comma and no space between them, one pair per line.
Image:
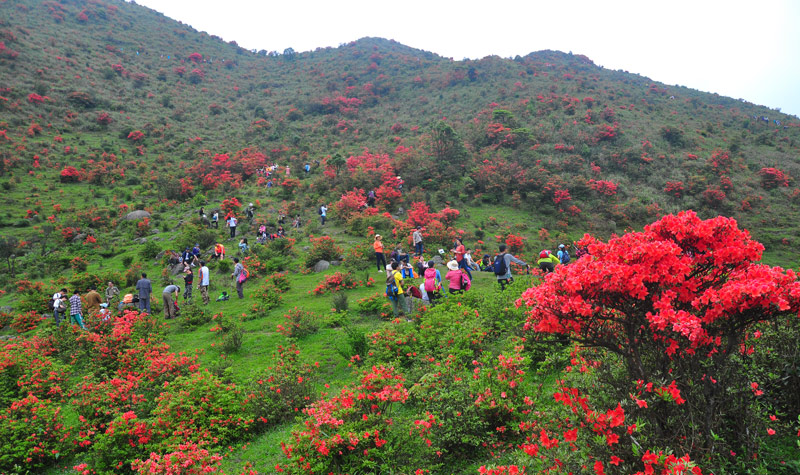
150,250
193,315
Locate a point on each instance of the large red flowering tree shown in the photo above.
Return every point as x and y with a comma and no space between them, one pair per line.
676,303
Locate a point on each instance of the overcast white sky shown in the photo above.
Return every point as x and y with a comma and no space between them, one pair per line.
746,49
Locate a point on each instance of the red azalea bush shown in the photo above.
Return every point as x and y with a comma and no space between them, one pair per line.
349,431
33,435
136,136
604,187
70,174
675,303
335,282
189,459
773,178
298,323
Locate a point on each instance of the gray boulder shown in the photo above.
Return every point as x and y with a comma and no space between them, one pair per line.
336,263
437,259
321,266
137,215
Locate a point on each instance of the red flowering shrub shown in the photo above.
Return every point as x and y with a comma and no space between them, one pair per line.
336,282
27,321
604,187
713,196
350,203
298,323
773,178
231,206
674,188
350,429
189,459
70,174
136,136
323,248
195,57
33,435
34,98
674,302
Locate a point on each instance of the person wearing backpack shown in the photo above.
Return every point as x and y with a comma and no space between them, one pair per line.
502,267
547,261
394,290
563,254
459,282
433,282
323,213
240,274
204,281
59,305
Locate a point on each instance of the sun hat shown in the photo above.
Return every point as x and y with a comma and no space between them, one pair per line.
452,265
561,246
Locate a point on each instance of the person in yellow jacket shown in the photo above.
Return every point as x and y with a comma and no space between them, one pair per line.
399,302
547,261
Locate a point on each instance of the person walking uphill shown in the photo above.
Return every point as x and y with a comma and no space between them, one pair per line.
502,267
240,275
169,295
380,259
144,288
59,305
75,309
232,222
395,292
323,214
204,281
93,300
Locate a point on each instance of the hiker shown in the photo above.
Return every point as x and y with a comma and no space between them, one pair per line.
280,233
421,266
323,213
407,270
186,256
307,168
215,220
243,248
250,211
219,251
59,305
502,267
170,294
470,263
188,279
204,281
232,222
296,223
394,290
144,288
432,283
371,198
459,282
196,254
93,300
459,250
398,254
563,254
240,275
547,261
416,236
202,213
380,259
287,171
111,293
75,309
486,263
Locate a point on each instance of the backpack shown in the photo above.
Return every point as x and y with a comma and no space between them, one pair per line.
430,280
391,287
243,276
51,305
320,211
465,283
499,265
565,257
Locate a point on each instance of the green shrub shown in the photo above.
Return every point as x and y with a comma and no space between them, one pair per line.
32,435
149,250
339,302
193,316
299,323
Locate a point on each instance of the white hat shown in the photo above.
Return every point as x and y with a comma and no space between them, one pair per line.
561,246
452,265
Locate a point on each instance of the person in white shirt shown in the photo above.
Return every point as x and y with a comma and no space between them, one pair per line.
203,282
59,302
232,222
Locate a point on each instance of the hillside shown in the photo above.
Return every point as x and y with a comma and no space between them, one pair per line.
107,108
